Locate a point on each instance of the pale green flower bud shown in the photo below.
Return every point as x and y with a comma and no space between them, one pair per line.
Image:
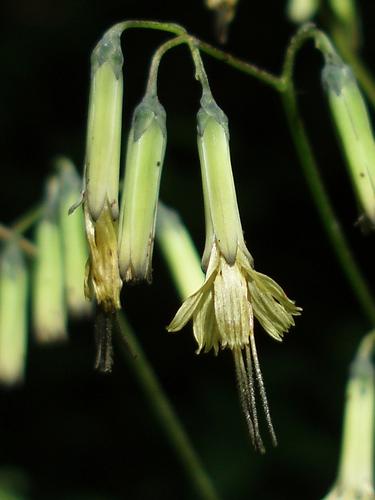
179,251
144,162
348,20
354,129
355,478
49,308
13,314
75,251
301,11
102,162
221,210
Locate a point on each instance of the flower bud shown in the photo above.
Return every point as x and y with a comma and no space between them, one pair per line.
75,252
13,314
221,210
144,162
49,311
354,129
104,126
179,251
355,478
301,11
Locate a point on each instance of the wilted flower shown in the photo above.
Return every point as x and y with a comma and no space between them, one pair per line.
75,251
102,164
223,309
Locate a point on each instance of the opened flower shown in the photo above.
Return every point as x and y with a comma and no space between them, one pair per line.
233,293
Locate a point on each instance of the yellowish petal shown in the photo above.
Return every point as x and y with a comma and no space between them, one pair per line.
205,327
232,308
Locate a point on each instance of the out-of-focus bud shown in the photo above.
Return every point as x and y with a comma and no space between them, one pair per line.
347,19
353,126
225,10
355,478
13,314
301,11
103,148
144,162
179,251
75,252
49,308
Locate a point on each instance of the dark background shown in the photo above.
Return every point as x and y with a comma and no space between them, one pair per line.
70,433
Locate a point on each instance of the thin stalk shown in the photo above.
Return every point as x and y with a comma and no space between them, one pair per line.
250,69
306,32
25,245
152,25
151,88
324,207
164,412
27,220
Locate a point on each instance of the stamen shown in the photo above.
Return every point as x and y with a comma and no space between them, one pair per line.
247,399
262,390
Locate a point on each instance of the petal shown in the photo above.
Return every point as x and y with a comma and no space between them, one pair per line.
189,306
205,327
232,309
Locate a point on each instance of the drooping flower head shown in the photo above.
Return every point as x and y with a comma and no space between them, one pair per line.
100,199
102,164
233,293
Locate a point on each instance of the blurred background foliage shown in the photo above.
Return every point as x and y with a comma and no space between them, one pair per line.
70,433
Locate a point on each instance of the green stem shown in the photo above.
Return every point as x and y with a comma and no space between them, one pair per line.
239,64
323,204
155,63
306,32
7,234
152,25
27,220
165,413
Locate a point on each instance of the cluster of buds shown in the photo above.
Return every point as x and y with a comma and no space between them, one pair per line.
120,240
233,293
59,254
